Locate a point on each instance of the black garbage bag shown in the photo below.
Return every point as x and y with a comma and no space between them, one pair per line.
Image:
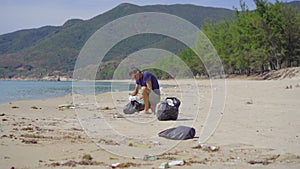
178,133
132,107
168,109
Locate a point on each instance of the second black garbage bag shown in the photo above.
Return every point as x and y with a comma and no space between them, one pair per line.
168,109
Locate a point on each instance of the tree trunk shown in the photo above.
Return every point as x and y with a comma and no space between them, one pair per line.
262,69
271,65
277,63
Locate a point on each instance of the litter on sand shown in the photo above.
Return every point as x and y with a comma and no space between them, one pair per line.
206,147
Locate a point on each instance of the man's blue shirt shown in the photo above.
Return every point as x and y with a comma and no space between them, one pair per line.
147,77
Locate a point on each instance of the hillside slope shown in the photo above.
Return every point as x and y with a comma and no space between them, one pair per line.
40,52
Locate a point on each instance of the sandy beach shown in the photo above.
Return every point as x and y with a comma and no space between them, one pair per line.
259,128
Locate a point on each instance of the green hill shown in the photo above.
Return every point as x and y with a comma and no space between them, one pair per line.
40,52
294,4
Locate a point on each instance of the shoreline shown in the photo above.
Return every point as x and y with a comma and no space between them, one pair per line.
287,73
163,82
269,75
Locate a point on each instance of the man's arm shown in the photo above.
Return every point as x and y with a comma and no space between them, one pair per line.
136,90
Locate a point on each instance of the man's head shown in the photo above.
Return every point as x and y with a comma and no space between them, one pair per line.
135,73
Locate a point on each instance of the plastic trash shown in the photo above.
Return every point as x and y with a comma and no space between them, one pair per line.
142,102
150,157
132,98
115,165
170,102
213,148
156,143
164,165
208,147
177,162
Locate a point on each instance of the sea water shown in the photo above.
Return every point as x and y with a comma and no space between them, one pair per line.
29,90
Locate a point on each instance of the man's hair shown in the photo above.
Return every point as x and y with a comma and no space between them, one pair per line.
133,71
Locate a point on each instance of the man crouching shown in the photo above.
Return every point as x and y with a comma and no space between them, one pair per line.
150,88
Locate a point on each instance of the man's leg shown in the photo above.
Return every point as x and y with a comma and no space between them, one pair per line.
145,93
153,108
153,99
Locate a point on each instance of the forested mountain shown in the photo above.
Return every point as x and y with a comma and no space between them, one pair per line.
40,52
247,41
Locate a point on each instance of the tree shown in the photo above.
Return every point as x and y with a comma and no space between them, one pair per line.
266,38
292,37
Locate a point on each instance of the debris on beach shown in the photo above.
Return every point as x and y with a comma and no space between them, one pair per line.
87,157
87,160
72,163
108,142
27,129
118,115
113,158
66,106
265,161
29,141
164,165
249,101
107,108
176,163
190,162
34,107
150,157
11,136
166,157
252,162
207,147
125,165
172,163
291,86
139,145
90,162
115,165
6,157
156,143
15,107
76,129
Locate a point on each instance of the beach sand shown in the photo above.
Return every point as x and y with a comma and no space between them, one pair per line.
259,127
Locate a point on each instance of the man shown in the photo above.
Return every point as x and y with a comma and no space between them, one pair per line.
150,88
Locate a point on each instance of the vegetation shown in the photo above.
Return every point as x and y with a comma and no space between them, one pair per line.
267,38
251,42
247,42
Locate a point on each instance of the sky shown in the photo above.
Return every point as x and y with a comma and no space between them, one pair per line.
26,14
